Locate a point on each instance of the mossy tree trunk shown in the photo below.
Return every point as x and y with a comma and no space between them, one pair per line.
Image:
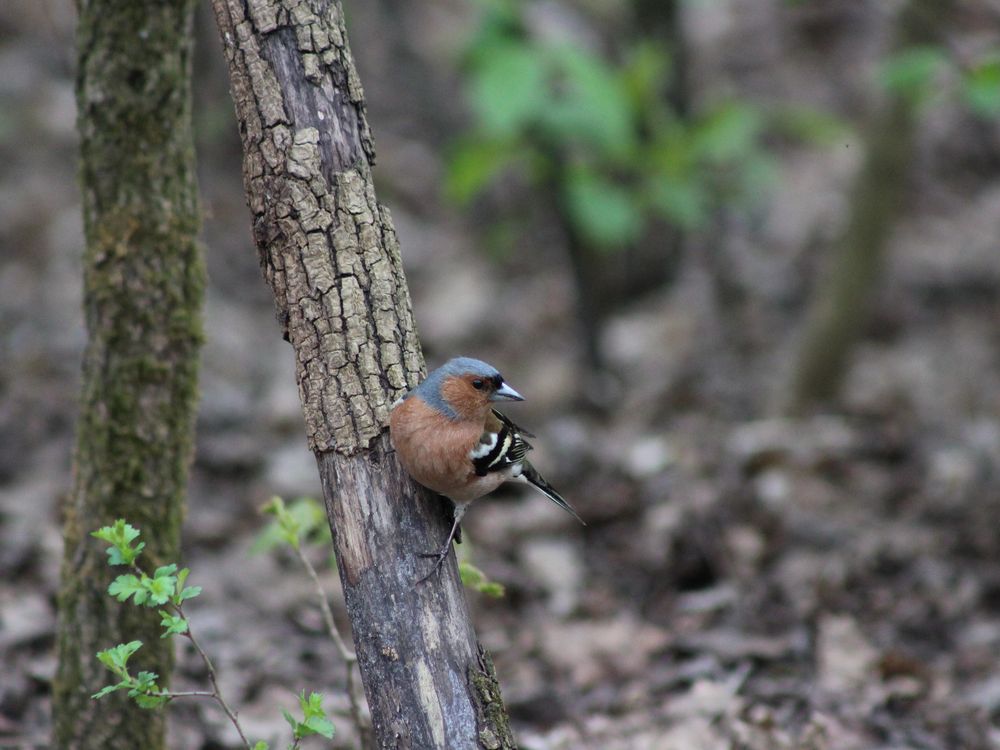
329,252
143,289
841,305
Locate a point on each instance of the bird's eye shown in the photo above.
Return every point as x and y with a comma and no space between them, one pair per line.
477,384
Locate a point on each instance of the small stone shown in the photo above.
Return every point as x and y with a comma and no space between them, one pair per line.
846,658
649,456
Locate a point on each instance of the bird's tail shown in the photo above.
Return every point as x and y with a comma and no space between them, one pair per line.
530,475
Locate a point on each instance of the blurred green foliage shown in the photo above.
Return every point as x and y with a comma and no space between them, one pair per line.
301,521
912,72
981,85
922,74
601,134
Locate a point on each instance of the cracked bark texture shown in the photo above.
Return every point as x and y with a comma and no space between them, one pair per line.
143,288
329,252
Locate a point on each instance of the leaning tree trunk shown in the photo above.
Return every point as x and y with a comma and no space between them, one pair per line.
143,287
840,309
330,255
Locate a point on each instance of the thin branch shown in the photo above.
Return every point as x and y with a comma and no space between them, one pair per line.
215,693
213,679
171,694
349,657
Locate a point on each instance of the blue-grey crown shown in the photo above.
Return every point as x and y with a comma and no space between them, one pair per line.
430,389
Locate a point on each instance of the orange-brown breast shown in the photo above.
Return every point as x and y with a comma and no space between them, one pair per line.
433,449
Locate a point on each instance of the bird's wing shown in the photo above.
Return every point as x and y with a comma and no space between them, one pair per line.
530,475
501,445
507,421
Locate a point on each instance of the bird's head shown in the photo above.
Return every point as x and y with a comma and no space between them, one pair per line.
465,388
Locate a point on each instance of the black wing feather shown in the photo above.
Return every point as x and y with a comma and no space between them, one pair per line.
510,448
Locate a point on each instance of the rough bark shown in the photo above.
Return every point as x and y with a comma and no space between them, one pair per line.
329,252
143,288
841,306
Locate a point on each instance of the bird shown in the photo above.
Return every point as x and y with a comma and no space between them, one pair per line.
449,437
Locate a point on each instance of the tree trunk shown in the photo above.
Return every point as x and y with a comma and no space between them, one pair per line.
143,288
840,309
329,252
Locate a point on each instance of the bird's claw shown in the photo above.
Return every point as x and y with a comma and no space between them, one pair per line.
441,555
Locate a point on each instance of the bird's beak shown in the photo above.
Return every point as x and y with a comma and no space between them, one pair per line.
506,393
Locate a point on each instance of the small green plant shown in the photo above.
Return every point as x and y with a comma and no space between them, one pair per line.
166,588
295,525
314,719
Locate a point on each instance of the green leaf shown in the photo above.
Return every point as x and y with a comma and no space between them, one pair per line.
116,658
166,571
126,585
645,76
121,535
808,125
473,164
172,624
588,102
727,133
261,745
147,591
681,202
159,589
475,579
910,72
508,87
304,520
146,681
144,684
315,720
492,589
182,592
110,689
320,725
606,214
981,87
149,701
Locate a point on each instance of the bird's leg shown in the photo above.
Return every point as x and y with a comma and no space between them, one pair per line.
443,552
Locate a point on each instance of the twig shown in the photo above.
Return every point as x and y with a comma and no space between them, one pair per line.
212,678
350,658
215,693
171,694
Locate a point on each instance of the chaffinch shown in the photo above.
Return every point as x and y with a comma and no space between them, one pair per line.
450,439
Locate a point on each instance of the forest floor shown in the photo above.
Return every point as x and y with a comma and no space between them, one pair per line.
744,580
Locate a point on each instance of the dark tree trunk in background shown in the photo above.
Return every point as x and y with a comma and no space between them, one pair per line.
662,22
330,255
841,305
143,288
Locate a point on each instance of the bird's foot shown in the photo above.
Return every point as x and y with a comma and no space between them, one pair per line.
440,556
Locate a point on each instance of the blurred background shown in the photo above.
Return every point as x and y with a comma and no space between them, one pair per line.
743,259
